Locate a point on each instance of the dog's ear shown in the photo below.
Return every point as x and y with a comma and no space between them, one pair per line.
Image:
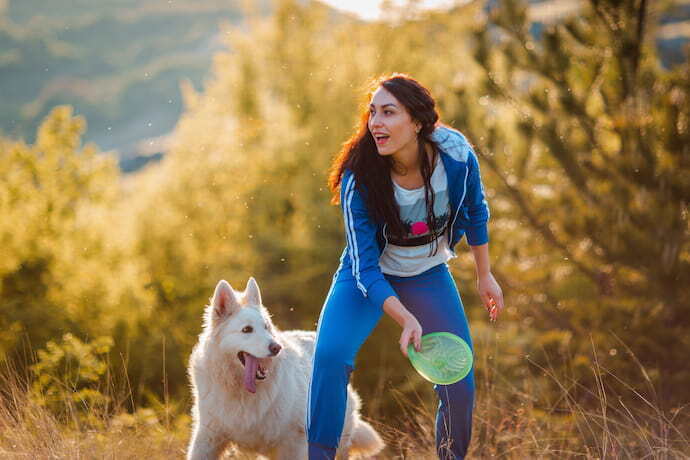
224,301
252,295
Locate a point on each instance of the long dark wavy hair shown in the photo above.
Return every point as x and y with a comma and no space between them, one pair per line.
373,171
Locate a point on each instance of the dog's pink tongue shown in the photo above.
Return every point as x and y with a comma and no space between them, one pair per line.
251,365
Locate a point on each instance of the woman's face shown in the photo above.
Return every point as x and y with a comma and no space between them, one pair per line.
390,123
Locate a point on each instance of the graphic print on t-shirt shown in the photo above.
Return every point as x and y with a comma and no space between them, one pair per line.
414,219
413,212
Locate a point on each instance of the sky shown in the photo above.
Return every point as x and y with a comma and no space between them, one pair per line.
370,9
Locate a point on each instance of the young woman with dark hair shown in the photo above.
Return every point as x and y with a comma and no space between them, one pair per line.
409,188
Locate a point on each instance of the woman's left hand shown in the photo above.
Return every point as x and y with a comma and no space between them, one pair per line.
491,295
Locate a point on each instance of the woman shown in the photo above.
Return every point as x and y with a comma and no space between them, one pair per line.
409,189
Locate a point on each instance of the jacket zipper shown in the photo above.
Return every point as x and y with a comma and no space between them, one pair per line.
384,237
452,225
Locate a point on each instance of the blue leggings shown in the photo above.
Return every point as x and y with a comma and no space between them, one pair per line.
346,321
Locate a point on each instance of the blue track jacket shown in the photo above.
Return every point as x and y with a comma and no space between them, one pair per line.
366,239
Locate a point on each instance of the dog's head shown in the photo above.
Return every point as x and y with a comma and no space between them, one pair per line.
242,329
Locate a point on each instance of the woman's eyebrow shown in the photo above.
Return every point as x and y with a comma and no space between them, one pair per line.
384,105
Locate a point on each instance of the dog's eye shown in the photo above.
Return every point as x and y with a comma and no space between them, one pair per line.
247,329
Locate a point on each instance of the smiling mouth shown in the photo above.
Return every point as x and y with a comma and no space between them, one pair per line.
381,139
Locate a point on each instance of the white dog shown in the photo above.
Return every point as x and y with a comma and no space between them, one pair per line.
250,384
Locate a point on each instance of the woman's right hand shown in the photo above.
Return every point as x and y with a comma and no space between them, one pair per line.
412,330
412,333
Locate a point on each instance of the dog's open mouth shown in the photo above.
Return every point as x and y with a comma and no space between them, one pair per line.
253,370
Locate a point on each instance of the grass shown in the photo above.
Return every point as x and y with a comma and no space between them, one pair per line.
511,421
28,429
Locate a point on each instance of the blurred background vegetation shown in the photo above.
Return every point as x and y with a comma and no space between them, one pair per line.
579,111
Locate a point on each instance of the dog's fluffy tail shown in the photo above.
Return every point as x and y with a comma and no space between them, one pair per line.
365,440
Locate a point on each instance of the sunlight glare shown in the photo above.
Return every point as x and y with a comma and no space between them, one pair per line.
371,9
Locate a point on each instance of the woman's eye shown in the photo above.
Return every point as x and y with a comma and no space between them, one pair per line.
247,329
387,111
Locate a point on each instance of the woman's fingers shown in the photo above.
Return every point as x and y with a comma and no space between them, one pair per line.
411,336
404,340
491,296
493,310
488,302
496,306
500,301
486,299
414,339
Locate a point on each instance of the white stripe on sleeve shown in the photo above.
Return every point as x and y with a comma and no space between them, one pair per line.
350,233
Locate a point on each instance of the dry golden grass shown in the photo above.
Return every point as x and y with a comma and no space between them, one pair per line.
519,421
510,422
30,430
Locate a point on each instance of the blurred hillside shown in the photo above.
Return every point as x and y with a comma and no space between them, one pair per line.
120,63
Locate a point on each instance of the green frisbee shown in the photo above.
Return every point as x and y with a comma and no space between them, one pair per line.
444,358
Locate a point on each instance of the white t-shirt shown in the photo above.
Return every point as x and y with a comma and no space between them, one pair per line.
410,255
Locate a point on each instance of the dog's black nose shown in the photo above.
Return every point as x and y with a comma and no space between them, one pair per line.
274,348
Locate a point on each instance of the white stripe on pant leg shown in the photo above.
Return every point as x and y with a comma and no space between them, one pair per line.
316,340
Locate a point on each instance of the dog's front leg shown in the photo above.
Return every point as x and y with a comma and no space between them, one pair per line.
343,453
296,450
206,444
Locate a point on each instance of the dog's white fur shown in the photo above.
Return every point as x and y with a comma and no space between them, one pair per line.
271,421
